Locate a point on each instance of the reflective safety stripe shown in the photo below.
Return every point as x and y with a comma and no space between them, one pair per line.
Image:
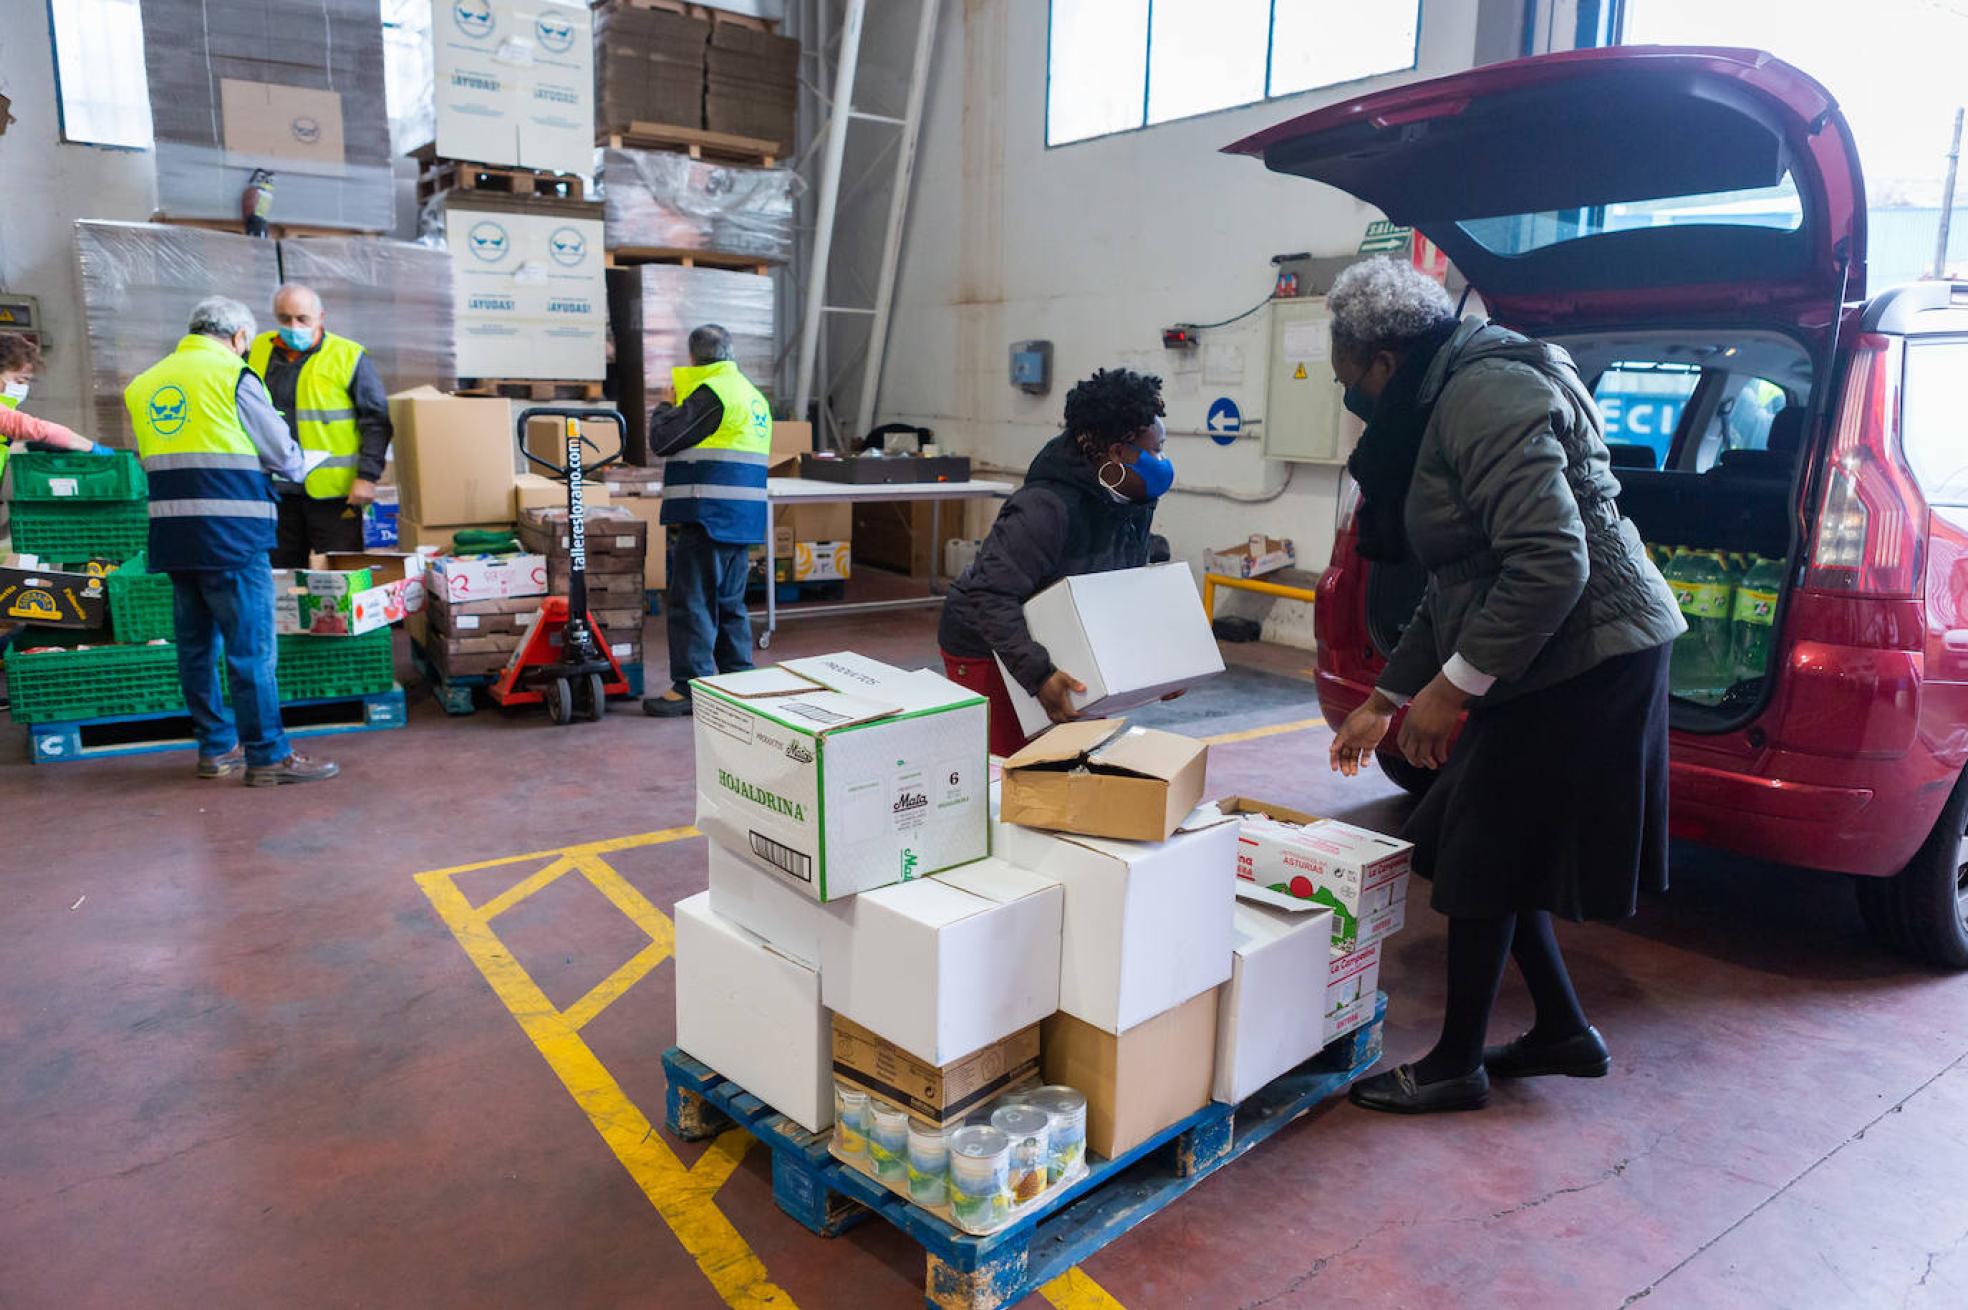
201,508
201,459
725,456
323,415
710,491
339,462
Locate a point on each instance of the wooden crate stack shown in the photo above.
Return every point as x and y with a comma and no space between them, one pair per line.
617,541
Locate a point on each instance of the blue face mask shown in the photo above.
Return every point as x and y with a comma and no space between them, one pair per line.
297,338
1157,474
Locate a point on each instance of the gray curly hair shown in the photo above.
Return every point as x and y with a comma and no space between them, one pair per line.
1384,304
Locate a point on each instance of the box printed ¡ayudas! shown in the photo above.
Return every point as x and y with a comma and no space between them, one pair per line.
841,773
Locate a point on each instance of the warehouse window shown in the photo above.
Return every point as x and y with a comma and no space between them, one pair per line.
1117,65
99,72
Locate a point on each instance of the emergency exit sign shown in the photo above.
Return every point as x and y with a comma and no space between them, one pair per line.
1385,238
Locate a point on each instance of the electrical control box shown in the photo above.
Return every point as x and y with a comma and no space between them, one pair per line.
1303,417
1031,366
21,314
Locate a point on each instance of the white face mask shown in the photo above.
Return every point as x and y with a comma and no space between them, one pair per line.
16,390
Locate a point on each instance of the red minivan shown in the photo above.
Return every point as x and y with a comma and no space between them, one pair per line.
1690,224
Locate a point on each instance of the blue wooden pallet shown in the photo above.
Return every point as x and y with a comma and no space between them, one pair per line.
458,694
984,1273
170,730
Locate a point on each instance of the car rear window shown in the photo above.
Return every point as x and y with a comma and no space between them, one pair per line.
1776,207
1934,419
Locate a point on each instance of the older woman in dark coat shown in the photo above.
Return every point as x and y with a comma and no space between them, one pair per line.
1485,461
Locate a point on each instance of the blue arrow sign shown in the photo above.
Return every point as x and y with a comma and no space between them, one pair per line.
1225,421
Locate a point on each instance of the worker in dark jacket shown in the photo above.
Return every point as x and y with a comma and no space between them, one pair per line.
332,397
1484,461
1086,506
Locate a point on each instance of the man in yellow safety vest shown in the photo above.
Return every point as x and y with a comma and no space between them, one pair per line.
335,406
715,442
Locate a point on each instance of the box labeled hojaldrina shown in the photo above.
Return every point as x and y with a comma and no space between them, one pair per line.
935,1095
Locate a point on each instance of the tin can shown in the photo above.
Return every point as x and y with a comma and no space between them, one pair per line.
980,1175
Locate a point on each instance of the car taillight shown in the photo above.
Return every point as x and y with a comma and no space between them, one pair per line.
1871,515
1349,503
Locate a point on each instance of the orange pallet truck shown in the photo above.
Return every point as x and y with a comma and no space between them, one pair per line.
563,661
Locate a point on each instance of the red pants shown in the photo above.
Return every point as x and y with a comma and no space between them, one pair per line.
982,677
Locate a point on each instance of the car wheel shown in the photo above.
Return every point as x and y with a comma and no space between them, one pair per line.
1410,778
1923,909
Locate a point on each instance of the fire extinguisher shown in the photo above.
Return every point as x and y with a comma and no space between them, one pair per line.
256,202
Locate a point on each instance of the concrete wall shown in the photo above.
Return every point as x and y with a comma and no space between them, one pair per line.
48,186
1097,246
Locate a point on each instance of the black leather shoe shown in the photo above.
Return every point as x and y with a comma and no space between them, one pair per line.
666,707
1397,1092
1582,1056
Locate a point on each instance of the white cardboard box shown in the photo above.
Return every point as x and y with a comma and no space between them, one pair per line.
842,774
1147,924
515,83
946,966
529,292
767,906
753,1015
1267,1020
1294,861
1091,625
1351,981
488,577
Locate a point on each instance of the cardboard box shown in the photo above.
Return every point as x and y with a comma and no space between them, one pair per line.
938,1095
546,438
530,297
346,602
50,598
1266,1020
537,491
947,965
764,905
790,440
1147,924
1244,560
414,536
288,129
1351,982
454,459
485,577
1295,861
1138,1082
471,617
1092,627
814,561
1102,778
515,83
753,1014
655,559
841,773
797,521
609,532
633,480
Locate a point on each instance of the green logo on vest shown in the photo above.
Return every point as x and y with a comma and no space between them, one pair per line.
760,796
167,410
761,416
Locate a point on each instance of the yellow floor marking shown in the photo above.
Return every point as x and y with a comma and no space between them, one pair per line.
627,899
522,889
1255,734
1073,1290
583,1011
585,848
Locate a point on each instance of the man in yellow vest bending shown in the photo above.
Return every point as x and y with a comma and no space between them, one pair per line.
211,444
333,399
716,443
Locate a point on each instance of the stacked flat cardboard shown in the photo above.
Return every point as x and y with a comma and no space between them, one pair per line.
515,83
654,307
527,282
140,282
663,200
751,83
292,86
395,297
649,67
615,542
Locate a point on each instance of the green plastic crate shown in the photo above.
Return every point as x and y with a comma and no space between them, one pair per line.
59,685
315,667
141,606
66,477
71,532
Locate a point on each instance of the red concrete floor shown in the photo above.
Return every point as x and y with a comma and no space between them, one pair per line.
253,1068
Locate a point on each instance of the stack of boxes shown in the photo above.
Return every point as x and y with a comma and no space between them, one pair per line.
478,611
751,83
637,490
663,201
454,460
515,83
616,543
653,308
649,67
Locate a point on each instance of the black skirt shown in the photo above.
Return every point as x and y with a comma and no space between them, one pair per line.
1556,800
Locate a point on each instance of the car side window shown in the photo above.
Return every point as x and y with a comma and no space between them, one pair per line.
1742,419
1642,402
1934,419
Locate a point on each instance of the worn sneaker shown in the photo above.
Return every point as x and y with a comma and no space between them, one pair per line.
222,766
667,706
295,768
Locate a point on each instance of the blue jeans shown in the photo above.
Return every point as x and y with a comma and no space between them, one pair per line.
230,609
709,630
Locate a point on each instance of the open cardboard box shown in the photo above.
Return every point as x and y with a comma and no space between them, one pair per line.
1130,636
936,1094
1297,861
1104,779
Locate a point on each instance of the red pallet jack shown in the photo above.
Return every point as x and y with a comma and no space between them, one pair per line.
562,660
